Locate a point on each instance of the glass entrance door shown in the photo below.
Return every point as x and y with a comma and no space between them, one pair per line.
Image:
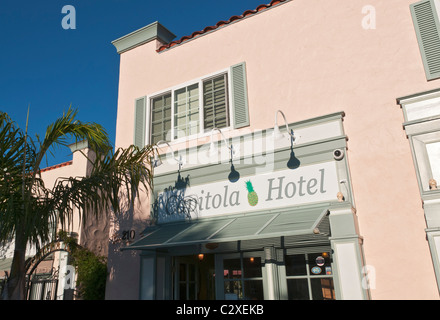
186,282
242,276
194,277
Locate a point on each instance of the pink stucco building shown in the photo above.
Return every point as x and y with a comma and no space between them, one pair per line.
340,204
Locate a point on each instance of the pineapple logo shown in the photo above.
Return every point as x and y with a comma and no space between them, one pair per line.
252,195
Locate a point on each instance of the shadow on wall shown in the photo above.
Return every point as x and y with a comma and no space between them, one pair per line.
123,266
173,205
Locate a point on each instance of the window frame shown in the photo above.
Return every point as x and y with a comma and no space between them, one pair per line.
308,276
421,158
221,280
171,90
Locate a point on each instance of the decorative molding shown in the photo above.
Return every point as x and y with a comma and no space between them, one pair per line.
143,35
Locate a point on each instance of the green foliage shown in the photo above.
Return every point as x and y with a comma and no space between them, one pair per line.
91,269
92,274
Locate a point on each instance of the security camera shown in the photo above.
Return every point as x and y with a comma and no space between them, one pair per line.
338,154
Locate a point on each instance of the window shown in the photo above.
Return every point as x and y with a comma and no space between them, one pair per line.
422,123
217,101
422,126
309,276
197,108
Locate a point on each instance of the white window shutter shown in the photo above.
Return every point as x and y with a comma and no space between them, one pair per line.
140,119
427,26
240,108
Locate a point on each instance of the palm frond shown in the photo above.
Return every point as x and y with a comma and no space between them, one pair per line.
67,127
114,176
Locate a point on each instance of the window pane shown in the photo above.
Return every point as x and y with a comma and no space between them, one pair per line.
167,100
232,268
252,267
297,289
253,290
180,107
156,116
160,117
182,291
157,103
193,91
320,264
186,111
182,273
296,265
180,95
233,290
192,272
323,289
167,125
156,127
156,138
180,120
191,291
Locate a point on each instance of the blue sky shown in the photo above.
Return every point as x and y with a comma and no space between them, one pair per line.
48,68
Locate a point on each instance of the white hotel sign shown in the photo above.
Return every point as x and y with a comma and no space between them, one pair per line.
284,188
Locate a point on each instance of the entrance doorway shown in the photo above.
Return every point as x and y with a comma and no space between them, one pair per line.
194,277
235,276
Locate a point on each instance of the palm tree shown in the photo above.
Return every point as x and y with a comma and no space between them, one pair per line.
28,208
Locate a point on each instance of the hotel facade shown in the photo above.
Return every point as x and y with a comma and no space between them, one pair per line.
297,151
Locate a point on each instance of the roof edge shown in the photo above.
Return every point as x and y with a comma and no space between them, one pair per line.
67,163
220,24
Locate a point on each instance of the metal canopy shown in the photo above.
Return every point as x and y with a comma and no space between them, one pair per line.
231,228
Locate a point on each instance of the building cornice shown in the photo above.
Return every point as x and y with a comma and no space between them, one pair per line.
154,31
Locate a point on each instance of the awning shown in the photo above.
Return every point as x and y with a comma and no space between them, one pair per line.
233,228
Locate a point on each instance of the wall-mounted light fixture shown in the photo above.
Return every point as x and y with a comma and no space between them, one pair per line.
277,134
213,149
156,160
293,162
234,175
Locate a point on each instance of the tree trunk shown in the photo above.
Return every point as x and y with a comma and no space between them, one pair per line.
17,280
